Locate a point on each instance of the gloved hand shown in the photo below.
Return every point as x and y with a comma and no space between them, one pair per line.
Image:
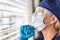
26,31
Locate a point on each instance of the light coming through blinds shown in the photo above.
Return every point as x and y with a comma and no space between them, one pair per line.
12,16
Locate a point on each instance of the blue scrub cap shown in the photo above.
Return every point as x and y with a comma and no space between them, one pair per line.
53,6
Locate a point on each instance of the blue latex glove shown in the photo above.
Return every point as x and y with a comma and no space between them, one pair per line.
26,31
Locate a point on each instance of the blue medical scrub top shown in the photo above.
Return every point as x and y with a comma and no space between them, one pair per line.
40,37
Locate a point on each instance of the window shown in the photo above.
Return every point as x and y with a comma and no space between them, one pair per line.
13,14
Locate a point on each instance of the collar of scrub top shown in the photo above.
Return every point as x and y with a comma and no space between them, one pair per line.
53,6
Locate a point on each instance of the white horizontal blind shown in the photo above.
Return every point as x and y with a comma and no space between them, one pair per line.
13,13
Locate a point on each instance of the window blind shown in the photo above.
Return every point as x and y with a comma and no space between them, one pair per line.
12,16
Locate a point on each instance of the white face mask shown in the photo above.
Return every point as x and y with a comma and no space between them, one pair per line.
37,20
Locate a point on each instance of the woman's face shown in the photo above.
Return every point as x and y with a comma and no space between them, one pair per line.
42,17
49,17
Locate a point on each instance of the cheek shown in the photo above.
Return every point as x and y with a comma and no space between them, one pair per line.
47,20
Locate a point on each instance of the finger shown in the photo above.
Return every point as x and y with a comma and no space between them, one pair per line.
29,32
32,32
25,30
21,29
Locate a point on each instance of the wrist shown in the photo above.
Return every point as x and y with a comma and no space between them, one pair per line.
21,38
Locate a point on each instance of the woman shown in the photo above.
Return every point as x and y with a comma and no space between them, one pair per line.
51,30
46,21
51,8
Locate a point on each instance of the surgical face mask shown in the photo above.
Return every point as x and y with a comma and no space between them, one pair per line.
37,20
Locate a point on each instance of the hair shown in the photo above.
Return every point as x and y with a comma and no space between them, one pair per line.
57,27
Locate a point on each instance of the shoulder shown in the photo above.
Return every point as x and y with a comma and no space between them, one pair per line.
57,38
